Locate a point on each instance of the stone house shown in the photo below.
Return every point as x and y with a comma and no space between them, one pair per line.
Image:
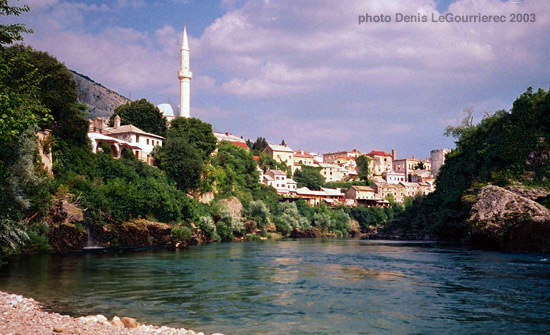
132,134
380,161
330,157
408,165
281,153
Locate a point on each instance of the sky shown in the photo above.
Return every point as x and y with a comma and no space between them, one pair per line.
306,71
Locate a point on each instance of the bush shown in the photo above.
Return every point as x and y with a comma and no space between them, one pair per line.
181,233
258,212
206,224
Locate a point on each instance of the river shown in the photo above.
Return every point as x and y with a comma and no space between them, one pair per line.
316,286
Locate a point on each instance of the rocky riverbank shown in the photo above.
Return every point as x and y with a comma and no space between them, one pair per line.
23,316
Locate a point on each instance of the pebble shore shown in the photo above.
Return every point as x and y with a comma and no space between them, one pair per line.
24,316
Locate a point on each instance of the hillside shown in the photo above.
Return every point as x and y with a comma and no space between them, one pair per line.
494,187
100,100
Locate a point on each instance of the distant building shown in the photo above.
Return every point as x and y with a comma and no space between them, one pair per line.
407,166
235,140
437,158
132,134
330,157
365,196
304,158
392,177
328,195
126,137
381,161
333,172
278,180
281,153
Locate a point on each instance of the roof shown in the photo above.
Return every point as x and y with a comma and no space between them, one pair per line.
129,129
276,147
277,172
378,153
362,188
332,191
168,109
239,144
105,138
228,137
256,158
303,154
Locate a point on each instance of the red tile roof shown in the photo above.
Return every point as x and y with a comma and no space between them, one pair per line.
240,144
378,153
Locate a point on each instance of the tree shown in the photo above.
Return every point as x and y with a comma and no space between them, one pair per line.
310,177
12,32
363,167
238,168
142,114
258,146
19,96
195,132
55,90
181,161
419,166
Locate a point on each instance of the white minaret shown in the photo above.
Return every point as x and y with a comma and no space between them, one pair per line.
185,76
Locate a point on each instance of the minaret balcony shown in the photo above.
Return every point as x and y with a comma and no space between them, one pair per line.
185,74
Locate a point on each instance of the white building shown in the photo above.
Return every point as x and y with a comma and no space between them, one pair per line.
137,137
278,180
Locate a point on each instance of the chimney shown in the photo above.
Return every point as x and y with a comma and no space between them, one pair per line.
393,154
117,121
226,133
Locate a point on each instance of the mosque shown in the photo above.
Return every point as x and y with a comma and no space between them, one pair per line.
172,111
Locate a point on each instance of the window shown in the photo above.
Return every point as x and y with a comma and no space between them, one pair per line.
147,141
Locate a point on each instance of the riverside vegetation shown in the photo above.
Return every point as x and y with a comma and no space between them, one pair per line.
124,202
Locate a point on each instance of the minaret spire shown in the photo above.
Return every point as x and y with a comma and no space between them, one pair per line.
185,76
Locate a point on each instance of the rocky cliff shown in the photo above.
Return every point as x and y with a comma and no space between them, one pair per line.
100,100
510,219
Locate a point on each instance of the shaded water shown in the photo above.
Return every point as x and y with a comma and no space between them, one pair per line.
315,286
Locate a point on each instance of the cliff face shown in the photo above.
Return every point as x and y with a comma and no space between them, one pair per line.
100,100
510,220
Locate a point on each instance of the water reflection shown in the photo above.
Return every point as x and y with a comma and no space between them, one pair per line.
299,287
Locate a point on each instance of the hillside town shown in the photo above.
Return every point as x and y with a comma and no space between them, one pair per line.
390,179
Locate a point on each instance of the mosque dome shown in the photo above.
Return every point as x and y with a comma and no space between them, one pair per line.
169,109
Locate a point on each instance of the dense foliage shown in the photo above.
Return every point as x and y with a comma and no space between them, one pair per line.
503,148
310,177
142,114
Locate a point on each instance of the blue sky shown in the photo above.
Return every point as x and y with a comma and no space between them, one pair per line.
305,70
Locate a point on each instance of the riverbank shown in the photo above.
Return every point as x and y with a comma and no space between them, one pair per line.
25,316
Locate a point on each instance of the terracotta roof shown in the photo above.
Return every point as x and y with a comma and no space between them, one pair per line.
303,154
240,144
378,153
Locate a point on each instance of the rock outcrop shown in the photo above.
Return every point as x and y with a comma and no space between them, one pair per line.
309,233
100,100
509,221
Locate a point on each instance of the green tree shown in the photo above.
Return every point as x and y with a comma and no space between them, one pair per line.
56,91
19,96
310,177
181,161
239,169
12,32
197,133
363,167
142,114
